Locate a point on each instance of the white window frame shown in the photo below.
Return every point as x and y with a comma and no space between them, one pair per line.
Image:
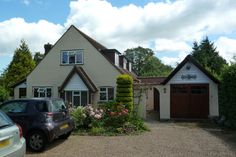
43,89
81,51
74,94
106,92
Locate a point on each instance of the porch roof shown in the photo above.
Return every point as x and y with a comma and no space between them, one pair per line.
80,71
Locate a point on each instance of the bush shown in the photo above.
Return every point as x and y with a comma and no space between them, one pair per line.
227,96
124,93
78,116
4,94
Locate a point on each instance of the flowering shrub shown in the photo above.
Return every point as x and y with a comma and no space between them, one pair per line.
109,118
87,117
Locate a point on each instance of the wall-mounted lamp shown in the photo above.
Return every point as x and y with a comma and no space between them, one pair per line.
164,90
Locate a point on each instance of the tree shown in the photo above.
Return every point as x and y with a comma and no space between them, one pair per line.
4,94
21,65
207,55
38,57
145,63
154,67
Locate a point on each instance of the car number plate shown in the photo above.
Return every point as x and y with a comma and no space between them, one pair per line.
4,143
64,126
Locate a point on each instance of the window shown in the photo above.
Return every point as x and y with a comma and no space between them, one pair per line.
22,92
42,92
77,98
72,57
106,93
14,107
42,106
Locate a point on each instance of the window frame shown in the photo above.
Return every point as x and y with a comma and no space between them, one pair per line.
106,92
45,88
76,59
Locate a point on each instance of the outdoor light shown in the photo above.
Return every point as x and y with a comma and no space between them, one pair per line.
164,90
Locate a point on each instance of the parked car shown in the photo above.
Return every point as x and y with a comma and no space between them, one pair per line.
12,142
42,120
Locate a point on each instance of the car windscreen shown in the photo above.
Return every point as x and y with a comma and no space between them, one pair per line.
57,105
4,120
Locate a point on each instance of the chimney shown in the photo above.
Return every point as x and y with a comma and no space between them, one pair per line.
47,48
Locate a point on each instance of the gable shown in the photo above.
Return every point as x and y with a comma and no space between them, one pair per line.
75,83
189,73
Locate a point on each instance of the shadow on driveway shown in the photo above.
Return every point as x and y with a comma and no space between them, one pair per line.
48,147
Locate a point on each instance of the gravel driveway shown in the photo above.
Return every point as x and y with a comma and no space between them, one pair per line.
165,139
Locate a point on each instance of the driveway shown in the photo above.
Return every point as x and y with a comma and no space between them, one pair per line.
165,139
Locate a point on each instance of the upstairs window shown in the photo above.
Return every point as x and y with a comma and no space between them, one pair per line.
71,57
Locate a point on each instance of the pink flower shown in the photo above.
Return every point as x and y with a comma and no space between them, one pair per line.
97,116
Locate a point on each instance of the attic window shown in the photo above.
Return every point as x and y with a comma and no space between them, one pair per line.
71,57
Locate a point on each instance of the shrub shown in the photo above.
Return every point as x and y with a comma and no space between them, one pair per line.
78,116
124,93
97,130
227,96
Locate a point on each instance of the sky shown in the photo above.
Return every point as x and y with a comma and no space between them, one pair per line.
168,27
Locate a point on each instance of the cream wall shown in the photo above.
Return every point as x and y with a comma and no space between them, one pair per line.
165,97
49,72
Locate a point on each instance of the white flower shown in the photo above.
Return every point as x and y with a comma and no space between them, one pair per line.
92,113
97,116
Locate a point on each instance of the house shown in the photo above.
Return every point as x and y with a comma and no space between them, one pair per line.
82,71
188,92
76,68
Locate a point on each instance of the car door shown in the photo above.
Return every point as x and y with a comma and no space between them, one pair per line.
17,111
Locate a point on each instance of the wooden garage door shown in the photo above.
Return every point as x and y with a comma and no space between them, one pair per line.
189,101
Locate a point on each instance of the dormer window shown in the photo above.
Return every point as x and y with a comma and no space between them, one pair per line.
71,57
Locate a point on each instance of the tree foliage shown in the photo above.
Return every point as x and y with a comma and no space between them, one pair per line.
145,63
21,65
207,55
4,94
38,57
227,95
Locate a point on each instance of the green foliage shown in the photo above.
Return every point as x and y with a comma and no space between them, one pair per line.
21,65
207,55
38,57
78,116
97,131
125,95
4,94
227,95
145,63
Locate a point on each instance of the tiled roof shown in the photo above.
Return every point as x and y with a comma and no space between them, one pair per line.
151,80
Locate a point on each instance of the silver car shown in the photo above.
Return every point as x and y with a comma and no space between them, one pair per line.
12,142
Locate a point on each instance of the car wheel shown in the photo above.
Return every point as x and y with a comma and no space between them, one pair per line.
65,136
36,141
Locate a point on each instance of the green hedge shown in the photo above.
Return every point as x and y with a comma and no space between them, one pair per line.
227,96
124,92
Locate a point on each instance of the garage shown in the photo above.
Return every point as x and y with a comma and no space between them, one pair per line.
189,101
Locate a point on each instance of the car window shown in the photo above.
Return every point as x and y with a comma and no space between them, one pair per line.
15,107
4,120
42,106
58,105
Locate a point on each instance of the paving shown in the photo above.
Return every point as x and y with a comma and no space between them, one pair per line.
166,139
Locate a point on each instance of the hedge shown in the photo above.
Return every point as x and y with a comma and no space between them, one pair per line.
227,96
124,92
